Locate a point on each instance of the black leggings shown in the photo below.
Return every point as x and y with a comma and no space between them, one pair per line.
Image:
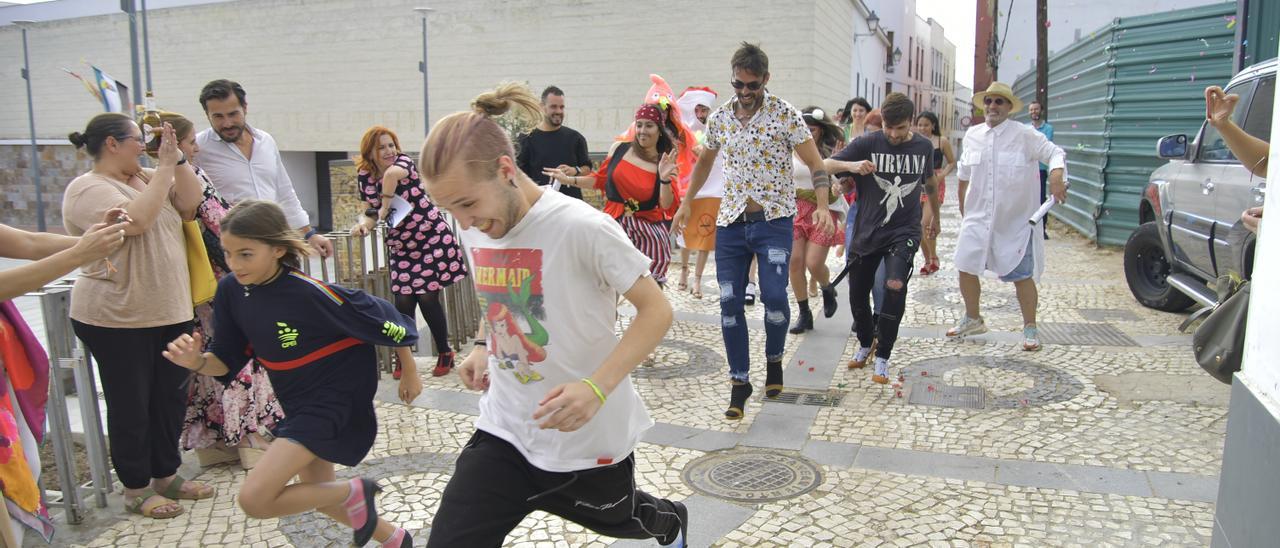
493,488
144,402
432,311
898,261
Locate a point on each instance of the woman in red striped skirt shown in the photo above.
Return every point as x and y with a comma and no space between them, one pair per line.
636,180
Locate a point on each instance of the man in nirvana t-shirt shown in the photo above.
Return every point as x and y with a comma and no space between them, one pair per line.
892,168
552,145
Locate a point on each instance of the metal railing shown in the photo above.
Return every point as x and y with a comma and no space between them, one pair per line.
68,353
362,262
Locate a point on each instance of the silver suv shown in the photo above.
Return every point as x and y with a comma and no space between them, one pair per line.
1190,231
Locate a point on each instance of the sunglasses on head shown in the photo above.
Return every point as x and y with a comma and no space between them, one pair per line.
753,86
998,101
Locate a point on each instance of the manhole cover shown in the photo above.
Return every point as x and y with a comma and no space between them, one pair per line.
1047,385
829,398
752,476
1084,334
966,397
1108,315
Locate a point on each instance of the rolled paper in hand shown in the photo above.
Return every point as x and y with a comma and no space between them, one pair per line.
555,184
1044,210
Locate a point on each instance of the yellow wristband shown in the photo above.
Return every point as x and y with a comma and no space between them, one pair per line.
594,388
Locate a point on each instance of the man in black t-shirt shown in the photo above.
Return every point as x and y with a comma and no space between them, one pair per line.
892,167
552,145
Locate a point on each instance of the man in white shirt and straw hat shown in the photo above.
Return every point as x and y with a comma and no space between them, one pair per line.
999,195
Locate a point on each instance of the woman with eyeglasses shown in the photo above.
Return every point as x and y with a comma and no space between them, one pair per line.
944,160
809,244
129,306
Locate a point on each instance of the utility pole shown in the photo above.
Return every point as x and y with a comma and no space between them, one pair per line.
1042,54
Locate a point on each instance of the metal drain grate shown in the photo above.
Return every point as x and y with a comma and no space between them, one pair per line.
817,399
752,476
1084,334
1108,315
964,397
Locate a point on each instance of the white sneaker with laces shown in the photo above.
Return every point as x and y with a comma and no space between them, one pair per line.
968,326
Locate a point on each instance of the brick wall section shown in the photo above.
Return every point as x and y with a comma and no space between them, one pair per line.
59,164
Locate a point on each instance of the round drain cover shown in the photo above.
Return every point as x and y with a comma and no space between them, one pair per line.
752,475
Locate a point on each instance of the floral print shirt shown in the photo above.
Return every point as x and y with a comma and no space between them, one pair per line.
757,163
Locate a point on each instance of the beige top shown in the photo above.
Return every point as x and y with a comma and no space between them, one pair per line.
151,286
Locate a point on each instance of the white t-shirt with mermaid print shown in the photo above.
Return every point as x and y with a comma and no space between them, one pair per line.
548,293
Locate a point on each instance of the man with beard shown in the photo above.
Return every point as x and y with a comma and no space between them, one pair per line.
999,161
244,163
758,133
553,145
695,106
892,167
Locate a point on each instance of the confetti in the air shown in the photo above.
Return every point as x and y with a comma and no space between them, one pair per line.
1231,21
1153,70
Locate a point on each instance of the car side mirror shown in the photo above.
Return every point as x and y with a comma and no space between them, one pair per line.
1172,147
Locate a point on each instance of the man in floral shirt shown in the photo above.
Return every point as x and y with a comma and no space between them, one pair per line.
758,133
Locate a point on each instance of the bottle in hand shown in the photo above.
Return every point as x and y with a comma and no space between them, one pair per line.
152,126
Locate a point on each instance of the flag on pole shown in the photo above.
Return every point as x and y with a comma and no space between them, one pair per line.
115,95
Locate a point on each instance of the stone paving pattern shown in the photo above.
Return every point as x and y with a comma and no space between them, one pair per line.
1053,459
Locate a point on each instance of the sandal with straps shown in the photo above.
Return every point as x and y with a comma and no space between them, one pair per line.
175,492
138,505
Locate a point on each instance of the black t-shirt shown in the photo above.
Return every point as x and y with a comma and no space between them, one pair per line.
901,172
542,149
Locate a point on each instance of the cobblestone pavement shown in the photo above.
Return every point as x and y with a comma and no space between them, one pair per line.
1109,436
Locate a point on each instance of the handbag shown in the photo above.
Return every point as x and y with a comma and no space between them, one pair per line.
203,284
1219,341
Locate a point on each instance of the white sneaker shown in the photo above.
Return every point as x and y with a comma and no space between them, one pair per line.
968,326
881,375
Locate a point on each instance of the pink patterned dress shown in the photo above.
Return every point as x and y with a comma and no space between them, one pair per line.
423,252
217,414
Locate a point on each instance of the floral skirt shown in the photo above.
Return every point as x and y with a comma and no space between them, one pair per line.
224,415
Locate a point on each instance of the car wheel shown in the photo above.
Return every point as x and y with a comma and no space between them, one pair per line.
1147,269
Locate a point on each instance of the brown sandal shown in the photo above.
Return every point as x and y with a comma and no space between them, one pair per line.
175,492
138,505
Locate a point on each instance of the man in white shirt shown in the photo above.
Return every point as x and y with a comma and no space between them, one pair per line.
1000,160
244,163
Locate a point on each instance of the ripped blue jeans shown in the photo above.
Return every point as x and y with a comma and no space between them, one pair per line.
736,244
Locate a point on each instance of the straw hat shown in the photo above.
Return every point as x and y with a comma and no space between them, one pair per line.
999,89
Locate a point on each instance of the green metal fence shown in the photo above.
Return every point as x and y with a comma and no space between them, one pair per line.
1117,91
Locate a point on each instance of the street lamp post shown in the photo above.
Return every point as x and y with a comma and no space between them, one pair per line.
31,120
422,67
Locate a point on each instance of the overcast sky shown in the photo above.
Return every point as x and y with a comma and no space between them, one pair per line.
957,17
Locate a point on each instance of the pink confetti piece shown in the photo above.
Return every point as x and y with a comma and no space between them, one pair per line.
1074,126
1047,23
899,394
924,373
811,370
931,389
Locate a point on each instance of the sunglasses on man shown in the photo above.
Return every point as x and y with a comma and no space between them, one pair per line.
997,101
753,86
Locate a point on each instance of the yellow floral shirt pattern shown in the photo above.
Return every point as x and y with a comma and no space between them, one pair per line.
757,163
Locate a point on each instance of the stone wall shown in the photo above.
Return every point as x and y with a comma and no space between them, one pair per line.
59,164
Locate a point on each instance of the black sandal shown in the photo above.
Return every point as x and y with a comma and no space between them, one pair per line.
773,379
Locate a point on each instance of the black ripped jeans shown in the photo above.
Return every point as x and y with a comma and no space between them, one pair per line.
898,261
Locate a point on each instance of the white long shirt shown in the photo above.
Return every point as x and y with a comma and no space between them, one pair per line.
1002,167
260,177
